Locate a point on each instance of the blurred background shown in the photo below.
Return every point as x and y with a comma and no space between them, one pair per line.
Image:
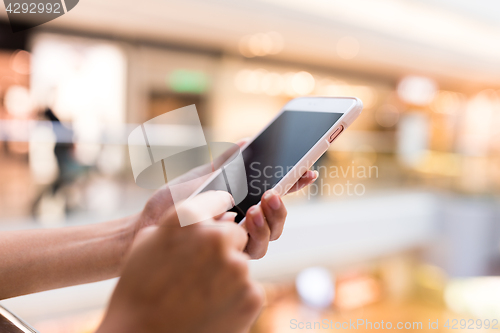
415,237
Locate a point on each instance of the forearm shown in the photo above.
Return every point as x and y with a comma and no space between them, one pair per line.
37,260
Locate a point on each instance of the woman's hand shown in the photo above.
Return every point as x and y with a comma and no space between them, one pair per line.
186,279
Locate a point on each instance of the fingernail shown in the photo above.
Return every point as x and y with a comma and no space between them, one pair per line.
257,217
273,200
229,216
315,174
231,199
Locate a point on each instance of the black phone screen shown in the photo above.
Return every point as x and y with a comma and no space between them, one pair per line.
278,149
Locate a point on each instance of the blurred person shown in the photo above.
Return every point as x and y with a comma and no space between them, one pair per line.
69,168
168,272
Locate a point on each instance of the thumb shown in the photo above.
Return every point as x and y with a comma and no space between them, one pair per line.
203,207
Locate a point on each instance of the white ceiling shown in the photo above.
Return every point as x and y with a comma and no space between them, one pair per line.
455,41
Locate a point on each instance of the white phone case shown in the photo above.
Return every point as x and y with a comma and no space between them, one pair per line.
350,107
307,161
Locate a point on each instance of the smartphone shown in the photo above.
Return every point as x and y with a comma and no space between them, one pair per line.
290,144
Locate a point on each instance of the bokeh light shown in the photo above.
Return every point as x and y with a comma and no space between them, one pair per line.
417,90
261,44
18,101
315,287
303,83
20,62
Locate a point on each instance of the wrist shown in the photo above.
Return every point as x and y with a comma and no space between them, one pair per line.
122,232
130,227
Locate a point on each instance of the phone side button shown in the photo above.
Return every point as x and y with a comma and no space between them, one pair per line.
336,133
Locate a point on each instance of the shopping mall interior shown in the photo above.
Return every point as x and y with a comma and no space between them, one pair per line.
403,223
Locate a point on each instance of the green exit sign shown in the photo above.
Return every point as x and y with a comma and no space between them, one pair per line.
188,81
